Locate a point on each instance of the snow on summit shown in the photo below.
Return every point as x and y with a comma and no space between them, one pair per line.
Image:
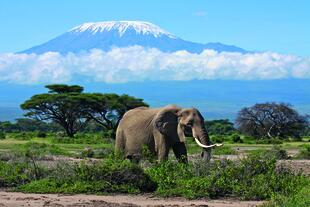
145,28
110,34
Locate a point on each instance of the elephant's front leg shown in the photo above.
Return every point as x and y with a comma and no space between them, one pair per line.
180,152
162,148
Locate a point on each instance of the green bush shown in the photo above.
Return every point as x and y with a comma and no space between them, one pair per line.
41,134
38,150
250,178
110,175
23,135
236,138
15,173
248,140
276,152
300,199
108,134
87,152
80,138
255,177
217,138
2,135
269,141
224,150
104,152
220,127
304,152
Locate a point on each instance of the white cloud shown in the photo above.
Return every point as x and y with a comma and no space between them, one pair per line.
138,64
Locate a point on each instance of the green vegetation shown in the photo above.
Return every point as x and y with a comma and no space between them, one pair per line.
220,127
256,177
2,135
110,175
26,167
250,178
275,152
300,199
304,152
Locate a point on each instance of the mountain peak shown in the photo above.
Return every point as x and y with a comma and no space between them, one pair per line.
140,27
111,34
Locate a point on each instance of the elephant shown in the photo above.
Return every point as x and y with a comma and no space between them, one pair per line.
160,129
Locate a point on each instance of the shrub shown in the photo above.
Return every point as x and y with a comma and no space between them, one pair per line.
41,134
38,150
108,134
16,173
217,138
23,135
304,152
269,141
276,152
254,177
87,152
249,140
300,199
80,138
236,138
224,150
110,175
103,153
2,135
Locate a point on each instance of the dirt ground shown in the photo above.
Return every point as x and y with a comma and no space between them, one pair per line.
12,199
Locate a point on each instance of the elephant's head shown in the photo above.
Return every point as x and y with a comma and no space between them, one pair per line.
175,122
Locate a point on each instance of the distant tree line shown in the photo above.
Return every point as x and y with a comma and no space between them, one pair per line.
68,108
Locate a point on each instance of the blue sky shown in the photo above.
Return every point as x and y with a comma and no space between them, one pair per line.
280,25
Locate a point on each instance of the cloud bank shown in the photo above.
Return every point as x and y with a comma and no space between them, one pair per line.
139,64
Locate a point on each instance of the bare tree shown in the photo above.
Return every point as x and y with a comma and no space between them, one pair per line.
271,120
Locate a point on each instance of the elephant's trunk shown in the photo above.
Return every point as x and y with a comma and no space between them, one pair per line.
202,139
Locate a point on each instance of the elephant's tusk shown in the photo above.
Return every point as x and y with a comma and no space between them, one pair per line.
206,146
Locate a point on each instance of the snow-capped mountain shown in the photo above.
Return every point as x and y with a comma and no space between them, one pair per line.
144,28
106,35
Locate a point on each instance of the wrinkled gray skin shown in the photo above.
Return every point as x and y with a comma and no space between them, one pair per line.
160,129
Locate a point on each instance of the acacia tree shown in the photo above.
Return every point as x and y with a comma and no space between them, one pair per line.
62,104
108,109
271,120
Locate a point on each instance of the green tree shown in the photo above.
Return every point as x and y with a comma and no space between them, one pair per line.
63,105
220,127
271,120
7,126
108,109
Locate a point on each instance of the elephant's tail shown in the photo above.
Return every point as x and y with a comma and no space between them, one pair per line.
119,141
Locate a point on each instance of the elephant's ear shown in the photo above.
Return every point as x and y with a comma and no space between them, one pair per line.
166,121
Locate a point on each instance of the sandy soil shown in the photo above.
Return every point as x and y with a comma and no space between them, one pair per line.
10,199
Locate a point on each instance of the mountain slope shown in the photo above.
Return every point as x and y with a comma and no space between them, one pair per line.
105,35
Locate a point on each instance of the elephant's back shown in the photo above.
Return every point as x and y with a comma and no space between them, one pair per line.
138,115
